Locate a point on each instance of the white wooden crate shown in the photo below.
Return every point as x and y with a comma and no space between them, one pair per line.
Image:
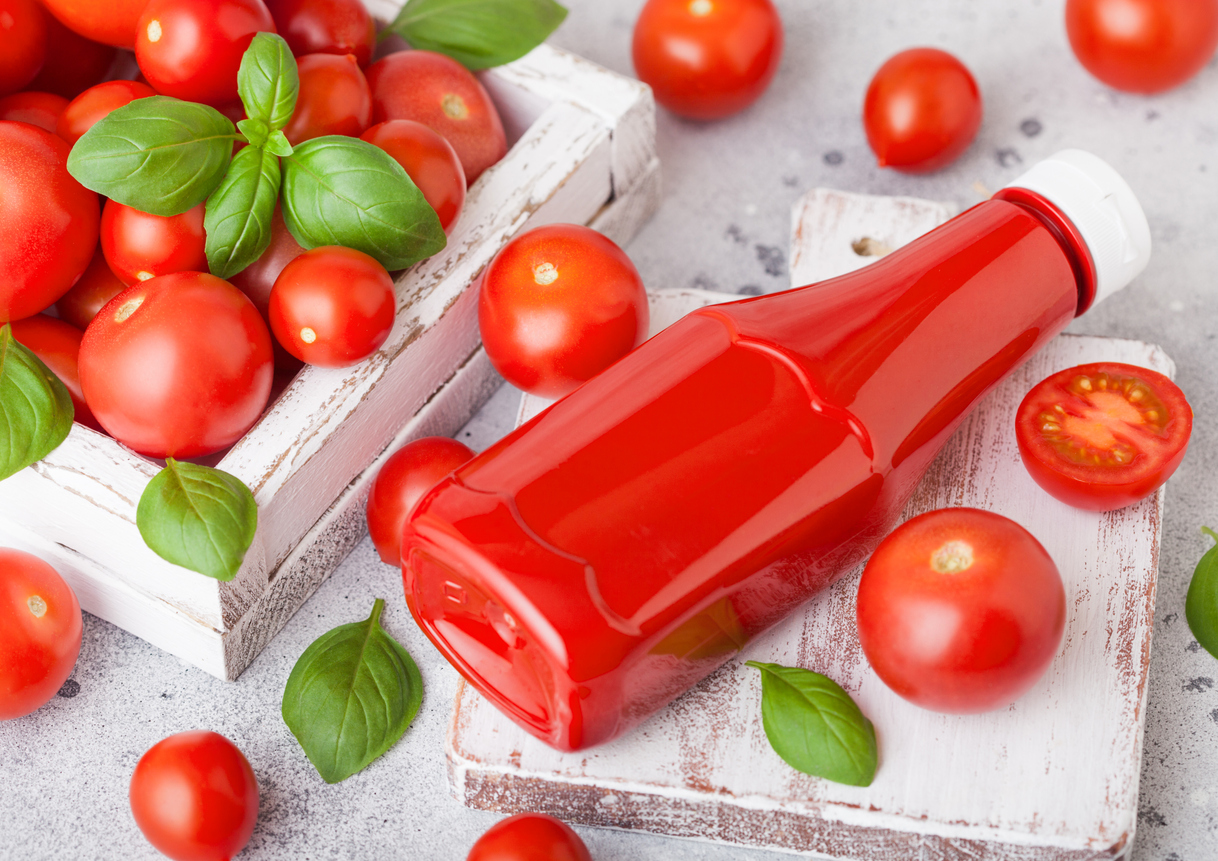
582,151
1054,776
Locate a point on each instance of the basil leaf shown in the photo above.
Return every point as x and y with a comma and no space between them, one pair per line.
1201,605
268,81
478,33
814,725
35,407
159,155
256,131
278,144
351,696
198,517
344,191
238,217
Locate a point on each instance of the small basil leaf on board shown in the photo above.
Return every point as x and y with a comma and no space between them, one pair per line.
478,33
159,155
238,216
344,191
35,407
1201,605
351,696
268,81
198,517
815,726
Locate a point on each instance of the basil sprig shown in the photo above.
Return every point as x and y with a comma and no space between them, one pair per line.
478,33
35,407
815,726
268,83
351,696
1201,605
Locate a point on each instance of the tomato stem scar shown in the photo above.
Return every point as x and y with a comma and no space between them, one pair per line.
454,106
128,308
952,558
545,273
701,8
37,606
154,30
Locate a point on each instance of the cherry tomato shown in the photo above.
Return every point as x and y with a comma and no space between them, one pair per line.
443,95
112,22
195,797
89,295
922,110
257,280
177,366
558,305
37,109
529,837
329,26
334,98
960,610
23,33
139,246
96,103
332,306
40,630
73,63
48,221
707,59
1143,46
409,473
58,345
1104,435
191,49
429,160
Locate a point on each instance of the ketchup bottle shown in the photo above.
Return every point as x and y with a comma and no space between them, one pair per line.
613,551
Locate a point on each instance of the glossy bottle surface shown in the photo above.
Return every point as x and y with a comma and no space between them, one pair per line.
607,555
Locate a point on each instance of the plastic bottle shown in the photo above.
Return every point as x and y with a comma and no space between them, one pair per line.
610,553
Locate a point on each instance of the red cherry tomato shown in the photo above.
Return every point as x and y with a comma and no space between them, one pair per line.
960,610
37,109
409,473
443,95
334,99
1104,435
89,295
58,345
73,63
195,797
191,49
326,26
48,221
177,366
922,110
139,246
40,630
257,280
112,22
429,160
529,837
332,306
706,59
95,104
558,305
1143,46
23,35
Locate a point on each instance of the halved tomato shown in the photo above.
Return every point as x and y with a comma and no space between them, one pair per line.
1104,435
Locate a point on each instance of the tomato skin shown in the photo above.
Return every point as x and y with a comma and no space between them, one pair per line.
111,23
48,221
529,837
1100,483
37,109
334,99
58,345
968,640
96,103
329,26
1143,46
97,286
707,59
139,246
409,473
73,62
443,95
195,797
177,366
575,285
40,633
429,160
23,32
922,110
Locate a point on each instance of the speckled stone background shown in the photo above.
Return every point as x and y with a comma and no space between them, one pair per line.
723,225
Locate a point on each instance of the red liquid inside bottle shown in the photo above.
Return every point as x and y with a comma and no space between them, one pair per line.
610,553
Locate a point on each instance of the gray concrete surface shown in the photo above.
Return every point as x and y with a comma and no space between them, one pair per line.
729,186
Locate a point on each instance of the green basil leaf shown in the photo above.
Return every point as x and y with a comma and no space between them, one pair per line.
238,217
351,696
256,131
35,407
1201,605
159,155
268,81
344,191
814,725
278,144
198,517
478,33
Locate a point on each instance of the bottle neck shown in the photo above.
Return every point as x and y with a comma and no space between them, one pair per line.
1067,236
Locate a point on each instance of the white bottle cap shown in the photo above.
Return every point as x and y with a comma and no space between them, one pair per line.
1103,208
